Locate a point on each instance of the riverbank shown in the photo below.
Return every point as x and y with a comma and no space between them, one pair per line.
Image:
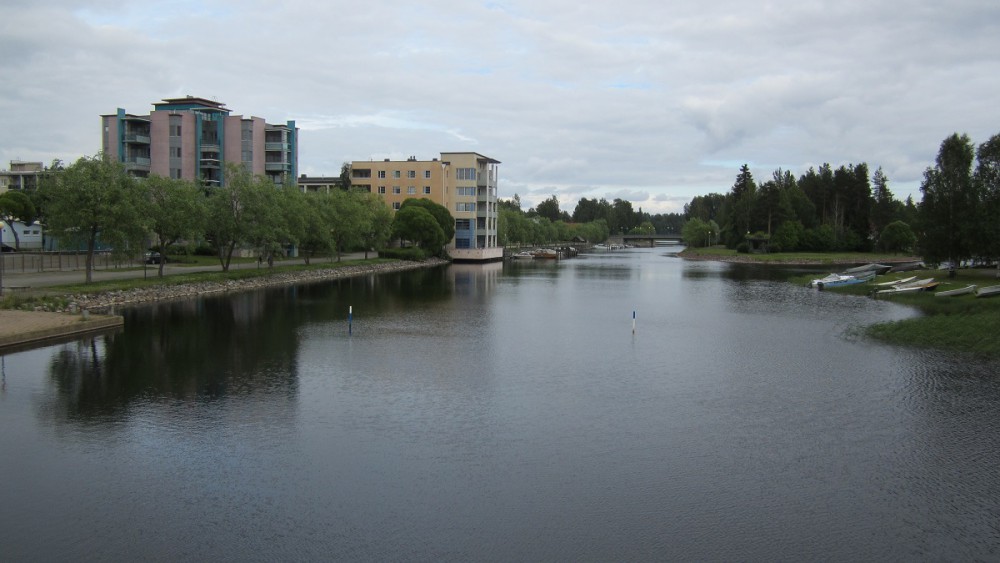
139,291
723,254
955,324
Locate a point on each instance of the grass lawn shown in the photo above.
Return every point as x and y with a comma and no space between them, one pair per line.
962,323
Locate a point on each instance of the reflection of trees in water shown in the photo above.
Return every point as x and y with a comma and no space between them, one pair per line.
231,345
207,348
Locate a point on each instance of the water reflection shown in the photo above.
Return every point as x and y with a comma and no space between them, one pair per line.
505,412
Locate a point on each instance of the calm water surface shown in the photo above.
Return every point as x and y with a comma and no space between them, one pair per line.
503,412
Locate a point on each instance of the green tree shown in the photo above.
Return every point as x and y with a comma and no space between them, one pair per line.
948,202
377,224
549,209
987,181
316,236
897,237
244,212
884,207
646,228
736,214
176,211
346,220
787,237
416,224
439,212
16,207
697,233
95,199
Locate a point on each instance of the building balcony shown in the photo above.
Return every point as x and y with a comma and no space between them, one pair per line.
210,146
136,138
272,146
277,166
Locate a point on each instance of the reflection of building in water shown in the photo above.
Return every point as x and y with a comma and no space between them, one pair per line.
463,182
475,279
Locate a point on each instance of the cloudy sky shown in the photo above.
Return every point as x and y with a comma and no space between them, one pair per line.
652,101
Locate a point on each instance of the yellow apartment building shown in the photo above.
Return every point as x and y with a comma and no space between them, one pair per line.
463,182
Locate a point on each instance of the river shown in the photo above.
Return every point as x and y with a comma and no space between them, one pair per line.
503,412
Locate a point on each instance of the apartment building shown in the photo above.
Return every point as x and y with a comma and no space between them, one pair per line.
463,182
22,176
193,138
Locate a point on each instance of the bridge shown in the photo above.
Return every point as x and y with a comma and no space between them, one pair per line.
646,240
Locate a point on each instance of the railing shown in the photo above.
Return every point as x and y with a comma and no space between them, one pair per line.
276,146
144,139
279,166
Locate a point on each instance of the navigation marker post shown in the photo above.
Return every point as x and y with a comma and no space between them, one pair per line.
633,321
350,318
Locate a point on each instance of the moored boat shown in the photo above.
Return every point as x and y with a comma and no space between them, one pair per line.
547,254
523,255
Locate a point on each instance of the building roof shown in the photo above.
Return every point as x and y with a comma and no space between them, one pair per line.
190,102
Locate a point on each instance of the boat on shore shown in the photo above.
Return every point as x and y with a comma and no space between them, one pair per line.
908,266
955,292
892,283
847,280
827,279
926,284
871,267
991,291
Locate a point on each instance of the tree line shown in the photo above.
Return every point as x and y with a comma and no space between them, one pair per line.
848,208
96,202
593,220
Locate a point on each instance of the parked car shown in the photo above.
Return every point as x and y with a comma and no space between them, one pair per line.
155,258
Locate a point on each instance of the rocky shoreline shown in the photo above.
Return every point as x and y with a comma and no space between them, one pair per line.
107,301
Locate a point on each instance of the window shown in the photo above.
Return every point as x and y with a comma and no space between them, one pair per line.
463,224
395,190
465,207
467,191
381,174
465,174
411,173
381,189
462,243
175,130
411,190
395,205
427,190
427,174
395,173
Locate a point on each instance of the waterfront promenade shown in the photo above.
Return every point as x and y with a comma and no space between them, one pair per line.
23,329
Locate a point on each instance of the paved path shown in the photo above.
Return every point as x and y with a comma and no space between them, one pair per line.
17,281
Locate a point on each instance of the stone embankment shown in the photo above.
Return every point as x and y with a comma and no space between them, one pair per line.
109,300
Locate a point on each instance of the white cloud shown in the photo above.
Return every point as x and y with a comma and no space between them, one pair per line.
656,101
